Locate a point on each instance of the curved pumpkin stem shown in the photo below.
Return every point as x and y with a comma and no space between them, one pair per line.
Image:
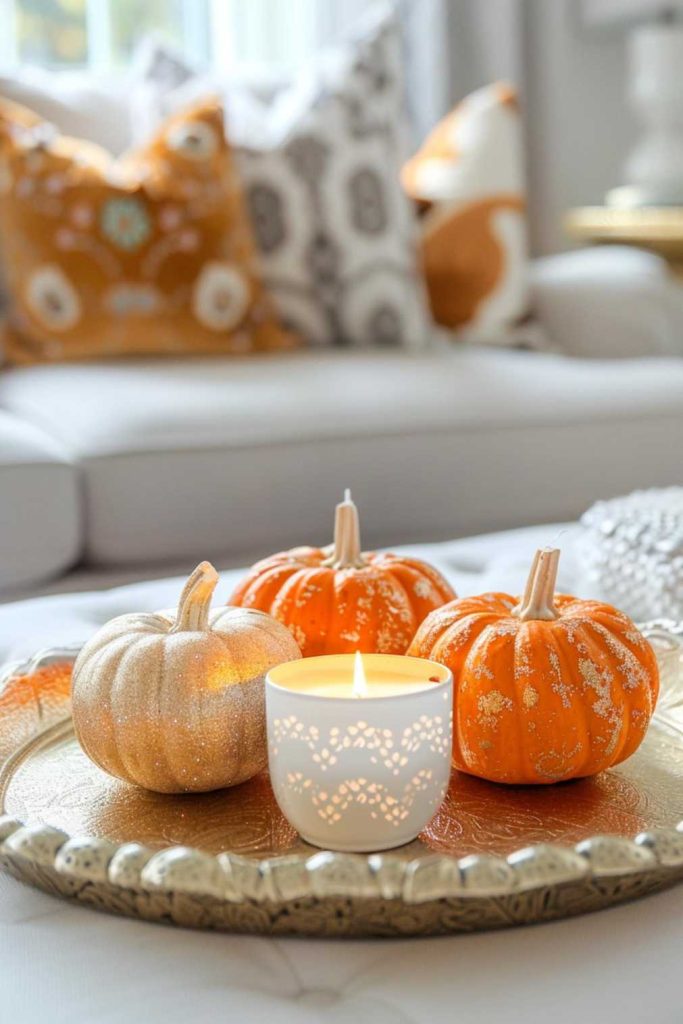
346,550
526,597
195,601
538,601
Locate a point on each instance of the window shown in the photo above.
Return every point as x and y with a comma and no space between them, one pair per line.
97,33
260,36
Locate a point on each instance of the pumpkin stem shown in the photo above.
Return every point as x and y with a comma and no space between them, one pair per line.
346,550
526,597
539,593
195,601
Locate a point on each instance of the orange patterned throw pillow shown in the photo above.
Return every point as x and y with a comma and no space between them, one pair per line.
148,254
468,177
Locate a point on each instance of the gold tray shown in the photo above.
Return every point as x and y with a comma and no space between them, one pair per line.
493,856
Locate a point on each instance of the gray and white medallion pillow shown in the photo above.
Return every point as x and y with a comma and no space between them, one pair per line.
320,164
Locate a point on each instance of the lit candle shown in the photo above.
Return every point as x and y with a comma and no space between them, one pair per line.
359,747
338,682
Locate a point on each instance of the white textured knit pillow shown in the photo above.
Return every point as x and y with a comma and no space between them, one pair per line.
321,168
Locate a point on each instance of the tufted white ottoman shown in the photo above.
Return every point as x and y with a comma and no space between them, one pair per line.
69,965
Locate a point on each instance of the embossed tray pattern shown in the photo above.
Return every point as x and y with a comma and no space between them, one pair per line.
493,856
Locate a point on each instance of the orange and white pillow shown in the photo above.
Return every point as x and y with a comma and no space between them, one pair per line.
149,254
468,178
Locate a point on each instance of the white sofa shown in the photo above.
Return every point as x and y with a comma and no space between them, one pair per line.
135,468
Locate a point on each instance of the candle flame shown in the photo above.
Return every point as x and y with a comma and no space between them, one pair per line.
360,682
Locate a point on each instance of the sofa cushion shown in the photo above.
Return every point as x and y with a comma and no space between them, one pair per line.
40,519
205,458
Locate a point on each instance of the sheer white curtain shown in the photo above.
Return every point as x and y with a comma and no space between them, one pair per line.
428,61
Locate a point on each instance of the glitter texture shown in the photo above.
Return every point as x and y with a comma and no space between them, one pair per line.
340,599
540,699
175,703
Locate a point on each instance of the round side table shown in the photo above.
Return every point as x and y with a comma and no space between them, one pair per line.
657,228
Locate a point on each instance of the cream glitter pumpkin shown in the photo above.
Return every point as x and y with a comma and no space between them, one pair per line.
175,702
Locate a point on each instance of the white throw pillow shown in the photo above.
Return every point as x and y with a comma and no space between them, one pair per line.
321,168
76,102
609,302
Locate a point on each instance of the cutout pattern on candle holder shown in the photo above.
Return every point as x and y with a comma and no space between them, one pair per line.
381,802
391,750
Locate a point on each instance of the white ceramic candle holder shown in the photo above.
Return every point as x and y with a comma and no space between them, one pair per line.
359,774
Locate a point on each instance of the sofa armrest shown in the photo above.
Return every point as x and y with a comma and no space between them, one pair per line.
608,302
40,507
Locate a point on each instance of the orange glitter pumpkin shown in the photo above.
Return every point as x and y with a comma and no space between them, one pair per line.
546,688
337,600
